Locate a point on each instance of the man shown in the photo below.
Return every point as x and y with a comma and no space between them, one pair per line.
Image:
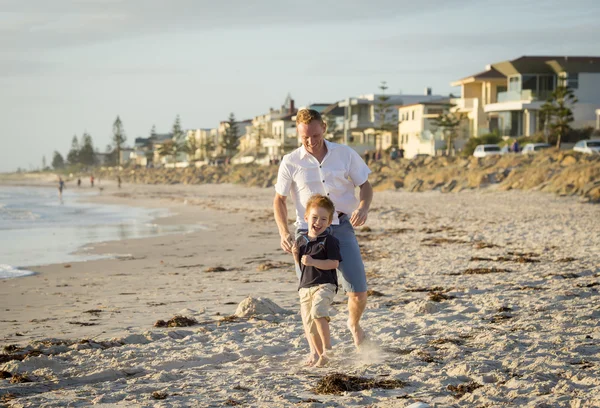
333,170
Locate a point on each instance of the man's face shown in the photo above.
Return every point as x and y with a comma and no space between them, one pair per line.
312,136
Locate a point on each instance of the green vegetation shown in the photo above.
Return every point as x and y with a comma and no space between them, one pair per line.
557,113
230,140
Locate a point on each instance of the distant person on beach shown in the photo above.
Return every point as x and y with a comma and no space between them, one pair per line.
92,180
79,182
333,170
367,157
119,181
61,187
514,147
401,152
317,255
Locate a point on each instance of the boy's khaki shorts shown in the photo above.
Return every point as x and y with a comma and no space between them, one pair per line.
315,302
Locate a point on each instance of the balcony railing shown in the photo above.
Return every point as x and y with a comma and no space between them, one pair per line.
524,95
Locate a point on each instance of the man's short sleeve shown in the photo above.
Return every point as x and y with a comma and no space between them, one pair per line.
284,178
359,171
332,248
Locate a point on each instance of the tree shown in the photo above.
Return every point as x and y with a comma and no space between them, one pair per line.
86,153
119,137
449,122
73,155
230,140
557,112
207,146
191,146
178,138
331,123
167,149
383,110
57,161
153,131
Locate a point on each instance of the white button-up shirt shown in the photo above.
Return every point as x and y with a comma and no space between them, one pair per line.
337,176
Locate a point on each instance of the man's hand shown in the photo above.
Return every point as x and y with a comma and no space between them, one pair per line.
307,260
359,217
287,243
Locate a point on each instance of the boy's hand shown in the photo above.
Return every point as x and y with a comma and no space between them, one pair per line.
307,260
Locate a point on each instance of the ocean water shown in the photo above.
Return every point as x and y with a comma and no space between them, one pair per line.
36,228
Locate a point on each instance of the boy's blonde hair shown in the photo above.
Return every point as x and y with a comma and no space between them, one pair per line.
319,200
308,115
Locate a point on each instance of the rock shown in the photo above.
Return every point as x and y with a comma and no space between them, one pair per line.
568,161
258,306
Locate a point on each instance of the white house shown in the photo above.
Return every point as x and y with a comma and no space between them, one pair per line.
362,118
508,95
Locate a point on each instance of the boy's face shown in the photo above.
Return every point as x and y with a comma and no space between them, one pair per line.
318,219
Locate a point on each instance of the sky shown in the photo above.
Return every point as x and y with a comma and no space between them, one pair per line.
71,66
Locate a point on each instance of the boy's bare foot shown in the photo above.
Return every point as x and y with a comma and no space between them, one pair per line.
323,360
358,334
311,360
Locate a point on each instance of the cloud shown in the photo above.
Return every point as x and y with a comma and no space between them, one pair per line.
42,24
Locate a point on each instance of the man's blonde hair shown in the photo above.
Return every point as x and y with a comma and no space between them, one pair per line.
308,115
319,200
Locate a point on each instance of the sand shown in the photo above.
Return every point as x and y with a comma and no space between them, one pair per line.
482,298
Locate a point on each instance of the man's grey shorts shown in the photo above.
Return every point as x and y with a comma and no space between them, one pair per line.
352,276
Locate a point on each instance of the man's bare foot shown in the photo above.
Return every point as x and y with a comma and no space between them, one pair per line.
311,360
358,334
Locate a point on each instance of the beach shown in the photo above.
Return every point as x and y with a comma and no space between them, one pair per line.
478,298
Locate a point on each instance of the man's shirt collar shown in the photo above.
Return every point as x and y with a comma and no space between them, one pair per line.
328,145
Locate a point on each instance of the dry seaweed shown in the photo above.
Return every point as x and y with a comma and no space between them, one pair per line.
482,245
567,259
482,271
425,289
177,321
374,293
338,383
159,395
438,296
436,241
83,323
232,403
5,374
445,340
458,391
500,318
215,269
20,378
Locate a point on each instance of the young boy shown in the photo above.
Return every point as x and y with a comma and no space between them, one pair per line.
318,255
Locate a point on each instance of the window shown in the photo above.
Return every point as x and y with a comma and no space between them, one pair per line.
413,115
573,80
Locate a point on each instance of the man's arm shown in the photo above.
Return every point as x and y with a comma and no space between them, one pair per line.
281,213
359,216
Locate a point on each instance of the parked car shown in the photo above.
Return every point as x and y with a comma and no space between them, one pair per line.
487,150
534,147
588,146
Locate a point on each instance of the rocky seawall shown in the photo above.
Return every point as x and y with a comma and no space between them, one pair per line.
562,172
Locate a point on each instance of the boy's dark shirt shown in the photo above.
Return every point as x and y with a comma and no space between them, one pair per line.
324,247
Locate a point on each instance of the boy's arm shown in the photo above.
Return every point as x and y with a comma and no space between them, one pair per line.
322,263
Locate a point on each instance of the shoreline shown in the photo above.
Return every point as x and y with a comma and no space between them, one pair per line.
494,288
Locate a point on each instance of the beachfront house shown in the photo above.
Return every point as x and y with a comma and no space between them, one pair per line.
598,119
206,142
371,121
269,135
508,95
418,132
